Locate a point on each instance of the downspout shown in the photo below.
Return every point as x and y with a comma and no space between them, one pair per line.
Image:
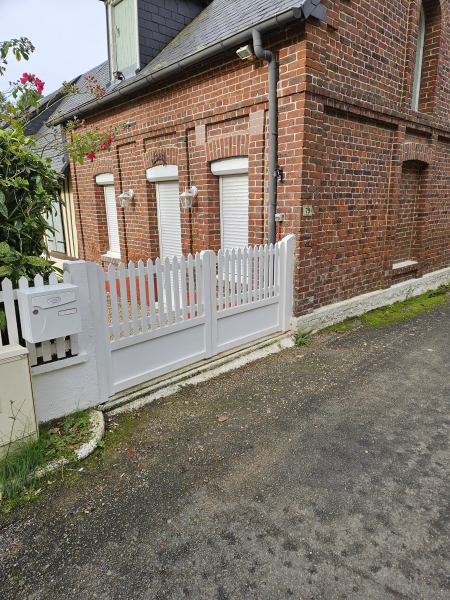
269,57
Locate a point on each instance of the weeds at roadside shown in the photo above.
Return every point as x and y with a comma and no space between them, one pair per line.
394,313
301,339
60,438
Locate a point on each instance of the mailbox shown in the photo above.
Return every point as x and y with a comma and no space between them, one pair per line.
49,312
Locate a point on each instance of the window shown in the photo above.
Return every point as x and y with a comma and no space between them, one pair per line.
123,36
419,61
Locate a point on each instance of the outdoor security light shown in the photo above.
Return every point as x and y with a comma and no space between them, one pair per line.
125,198
246,52
186,197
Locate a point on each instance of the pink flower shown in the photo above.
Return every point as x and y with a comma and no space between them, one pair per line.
25,77
91,155
102,146
39,85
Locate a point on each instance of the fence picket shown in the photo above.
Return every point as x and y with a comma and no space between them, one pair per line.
10,311
183,287
143,321
151,294
160,292
168,290
239,275
266,271
176,289
191,287
255,273
220,281
271,255
233,277
227,279
276,285
198,284
23,284
113,301
133,297
244,276
124,300
261,272
60,342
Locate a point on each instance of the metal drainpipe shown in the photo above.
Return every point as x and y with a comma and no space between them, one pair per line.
273,130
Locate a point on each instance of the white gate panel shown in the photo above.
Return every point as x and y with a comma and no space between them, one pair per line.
160,322
164,352
247,323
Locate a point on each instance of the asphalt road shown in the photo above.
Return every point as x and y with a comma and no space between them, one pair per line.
329,480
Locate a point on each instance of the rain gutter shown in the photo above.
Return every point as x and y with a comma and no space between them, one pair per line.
279,21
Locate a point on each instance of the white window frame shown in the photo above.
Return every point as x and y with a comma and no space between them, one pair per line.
107,179
228,166
111,49
419,61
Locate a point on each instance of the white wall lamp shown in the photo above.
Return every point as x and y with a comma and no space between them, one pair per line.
125,198
187,196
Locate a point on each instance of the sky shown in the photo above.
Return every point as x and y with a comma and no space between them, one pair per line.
69,38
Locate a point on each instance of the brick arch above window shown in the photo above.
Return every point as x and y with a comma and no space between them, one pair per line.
416,152
102,164
161,155
227,147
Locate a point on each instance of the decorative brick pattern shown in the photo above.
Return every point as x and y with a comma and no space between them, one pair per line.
416,152
102,164
226,147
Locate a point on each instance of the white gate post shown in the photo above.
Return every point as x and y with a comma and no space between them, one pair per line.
95,337
287,248
209,293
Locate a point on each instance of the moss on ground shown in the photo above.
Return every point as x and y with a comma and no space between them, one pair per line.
394,313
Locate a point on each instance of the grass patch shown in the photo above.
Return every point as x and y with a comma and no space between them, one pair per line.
59,438
394,313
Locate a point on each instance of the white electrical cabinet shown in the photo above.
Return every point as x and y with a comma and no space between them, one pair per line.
49,312
17,410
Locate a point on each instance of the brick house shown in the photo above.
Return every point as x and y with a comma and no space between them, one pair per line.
363,137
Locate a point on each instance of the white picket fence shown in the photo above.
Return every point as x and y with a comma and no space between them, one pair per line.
44,352
150,319
166,315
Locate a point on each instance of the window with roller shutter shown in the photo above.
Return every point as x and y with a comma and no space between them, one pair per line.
113,225
234,210
169,221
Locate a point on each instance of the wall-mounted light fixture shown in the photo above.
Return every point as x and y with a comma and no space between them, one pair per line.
125,198
186,197
246,52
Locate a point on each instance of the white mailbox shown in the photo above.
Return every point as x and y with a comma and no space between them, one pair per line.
49,312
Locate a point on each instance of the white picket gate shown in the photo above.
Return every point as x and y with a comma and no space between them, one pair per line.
169,315
44,352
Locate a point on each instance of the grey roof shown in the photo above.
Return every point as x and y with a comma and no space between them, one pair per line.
219,21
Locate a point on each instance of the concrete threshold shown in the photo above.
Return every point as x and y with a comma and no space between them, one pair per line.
166,385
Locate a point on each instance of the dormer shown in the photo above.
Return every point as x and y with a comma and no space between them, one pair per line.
139,29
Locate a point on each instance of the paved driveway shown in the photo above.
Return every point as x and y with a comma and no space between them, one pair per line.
329,480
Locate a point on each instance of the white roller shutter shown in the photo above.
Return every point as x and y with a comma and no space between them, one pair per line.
234,210
169,221
113,225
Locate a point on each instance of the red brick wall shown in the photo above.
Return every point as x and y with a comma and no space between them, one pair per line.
345,132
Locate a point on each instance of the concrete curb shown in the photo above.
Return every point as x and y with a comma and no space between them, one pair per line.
357,306
98,430
170,385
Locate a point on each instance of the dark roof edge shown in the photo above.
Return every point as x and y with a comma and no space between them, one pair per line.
279,21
